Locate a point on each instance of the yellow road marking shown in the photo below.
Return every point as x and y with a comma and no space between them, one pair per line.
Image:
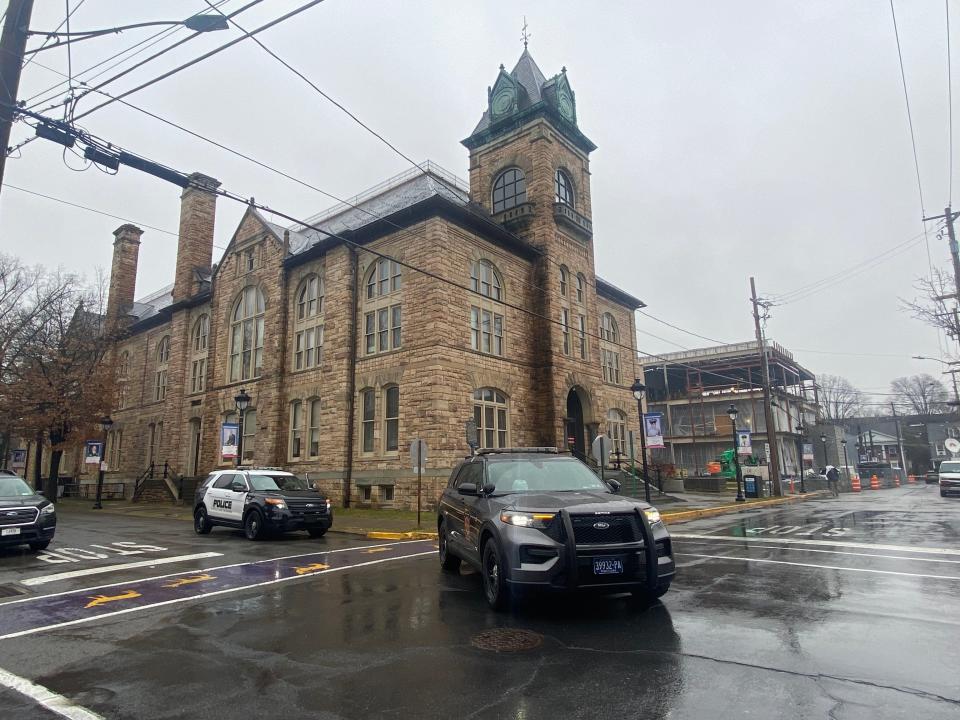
371,551
104,599
311,568
189,580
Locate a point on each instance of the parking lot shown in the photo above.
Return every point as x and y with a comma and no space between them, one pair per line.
830,608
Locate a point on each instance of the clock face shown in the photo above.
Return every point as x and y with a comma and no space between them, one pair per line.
502,101
565,103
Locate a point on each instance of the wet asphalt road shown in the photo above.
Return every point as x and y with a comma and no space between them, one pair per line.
844,608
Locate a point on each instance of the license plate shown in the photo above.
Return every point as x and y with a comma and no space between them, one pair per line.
607,566
10,531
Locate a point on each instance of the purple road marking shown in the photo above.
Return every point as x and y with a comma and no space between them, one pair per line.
89,604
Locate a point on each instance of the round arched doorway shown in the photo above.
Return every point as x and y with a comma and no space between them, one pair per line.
576,430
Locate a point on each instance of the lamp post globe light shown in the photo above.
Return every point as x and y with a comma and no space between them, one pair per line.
638,389
800,430
243,402
823,441
732,413
106,422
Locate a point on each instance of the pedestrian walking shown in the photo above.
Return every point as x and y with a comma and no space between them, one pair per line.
833,480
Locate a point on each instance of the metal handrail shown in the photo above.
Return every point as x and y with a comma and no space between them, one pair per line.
141,481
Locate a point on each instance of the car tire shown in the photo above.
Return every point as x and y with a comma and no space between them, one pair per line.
201,523
448,561
317,532
41,545
253,525
495,587
648,597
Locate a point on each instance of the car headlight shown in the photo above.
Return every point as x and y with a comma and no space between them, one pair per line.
527,519
653,515
48,510
277,503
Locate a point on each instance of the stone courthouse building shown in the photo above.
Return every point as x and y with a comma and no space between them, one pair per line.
448,304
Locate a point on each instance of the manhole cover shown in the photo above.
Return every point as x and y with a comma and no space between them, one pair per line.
506,640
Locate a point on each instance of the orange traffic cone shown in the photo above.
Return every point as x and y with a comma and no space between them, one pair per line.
855,483
896,481
874,482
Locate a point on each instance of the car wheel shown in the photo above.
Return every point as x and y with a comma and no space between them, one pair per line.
494,581
448,561
317,532
42,545
253,525
201,523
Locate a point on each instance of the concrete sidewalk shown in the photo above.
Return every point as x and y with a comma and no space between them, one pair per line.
402,524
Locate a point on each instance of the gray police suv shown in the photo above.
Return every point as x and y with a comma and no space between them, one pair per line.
535,517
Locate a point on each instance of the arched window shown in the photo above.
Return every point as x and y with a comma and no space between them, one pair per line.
581,284
490,414
123,371
564,279
313,431
296,429
382,321
617,430
608,328
509,190
368,418
563,190
163,360
308,333
486,316
246,335
391,418
198,351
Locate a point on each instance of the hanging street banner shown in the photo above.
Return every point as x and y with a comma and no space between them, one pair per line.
653,429
744,446
93,452
808,451
19,458
228,440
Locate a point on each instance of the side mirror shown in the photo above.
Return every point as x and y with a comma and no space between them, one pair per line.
488,488
467,489
614,485
237,487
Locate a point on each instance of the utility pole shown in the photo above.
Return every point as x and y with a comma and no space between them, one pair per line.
954,254
13,42
767,409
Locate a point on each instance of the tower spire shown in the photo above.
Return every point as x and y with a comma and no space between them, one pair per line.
524,34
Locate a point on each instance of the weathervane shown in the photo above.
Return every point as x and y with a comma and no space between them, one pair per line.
524,34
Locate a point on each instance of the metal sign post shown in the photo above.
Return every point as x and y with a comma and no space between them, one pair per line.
418,456
601,451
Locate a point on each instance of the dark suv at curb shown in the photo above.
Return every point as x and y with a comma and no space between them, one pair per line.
538,518
26,518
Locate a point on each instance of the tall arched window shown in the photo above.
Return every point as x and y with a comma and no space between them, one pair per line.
391,418
485,280
486,316
163,361
617,430
608,328
198,352
123,373
308,325
509,190
581,284
368,418
296,430
490,412
313,430
383,316
610,353
563,189
246,335
564,280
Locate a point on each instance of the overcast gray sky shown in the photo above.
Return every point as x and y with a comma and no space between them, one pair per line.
734,139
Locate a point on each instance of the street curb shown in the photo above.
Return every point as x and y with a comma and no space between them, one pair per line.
688,515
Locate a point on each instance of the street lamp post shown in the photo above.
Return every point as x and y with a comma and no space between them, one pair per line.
732,412
243,402
638,388
952,373
846,460
105,423
800,441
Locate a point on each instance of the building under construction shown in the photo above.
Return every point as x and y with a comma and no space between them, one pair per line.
694,389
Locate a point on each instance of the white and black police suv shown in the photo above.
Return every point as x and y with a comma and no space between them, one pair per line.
260,500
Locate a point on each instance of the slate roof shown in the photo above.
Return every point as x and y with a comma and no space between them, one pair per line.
150,305
530,78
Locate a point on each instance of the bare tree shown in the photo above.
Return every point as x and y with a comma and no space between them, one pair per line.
838,398
919,394
935,307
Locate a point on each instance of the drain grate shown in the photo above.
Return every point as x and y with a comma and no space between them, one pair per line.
506,640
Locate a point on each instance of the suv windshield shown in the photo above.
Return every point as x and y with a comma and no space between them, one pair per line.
950,466
14,487
554,474
277,482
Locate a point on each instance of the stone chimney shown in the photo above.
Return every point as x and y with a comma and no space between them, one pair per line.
123,275
198,205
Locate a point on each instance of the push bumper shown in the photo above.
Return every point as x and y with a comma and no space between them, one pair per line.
537,560
285,521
